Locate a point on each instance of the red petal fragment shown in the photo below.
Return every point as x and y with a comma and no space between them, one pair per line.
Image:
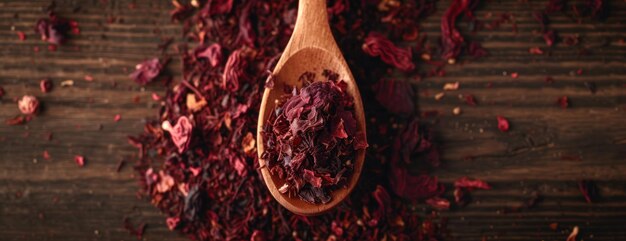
18,120
234,71
45,85
155,97
470,100
172,223
88,78
465,182
563,101
438,203
376,44
396,96
21,35
213,53
46,155
579,71
514,75
117,118
28,104
80,160
535,51
549,37
503,124
588,189
147,71
180,133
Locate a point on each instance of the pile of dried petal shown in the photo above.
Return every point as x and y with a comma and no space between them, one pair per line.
310,139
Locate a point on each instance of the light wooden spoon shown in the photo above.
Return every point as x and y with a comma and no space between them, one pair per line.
311,48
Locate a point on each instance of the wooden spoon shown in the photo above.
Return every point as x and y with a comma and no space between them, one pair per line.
311,48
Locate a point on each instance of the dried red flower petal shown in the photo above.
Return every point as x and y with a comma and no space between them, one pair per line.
503,124
117,118
180,133
465,182
45,85
549,37
579,71
18,120
21,35
413,141
514,75
28,104
46,155
396,96
234,71
376,44
535,50
213,53
589,190
476,50
438,203
80,160
172,222
53,29
563,101
147,71
320,114
451,39
470,100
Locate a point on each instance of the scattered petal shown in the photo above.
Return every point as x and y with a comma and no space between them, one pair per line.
80,160
45,85
465,182
563,101
503,124
376,44
28,104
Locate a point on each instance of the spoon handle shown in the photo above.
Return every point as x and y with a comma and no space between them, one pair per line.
312,28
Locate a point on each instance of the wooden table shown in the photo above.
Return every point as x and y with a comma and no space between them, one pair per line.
547,150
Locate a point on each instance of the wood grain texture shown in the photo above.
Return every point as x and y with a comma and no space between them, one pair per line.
89,203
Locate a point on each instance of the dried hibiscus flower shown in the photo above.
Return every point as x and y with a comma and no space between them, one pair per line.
213,53
563,101
451,39
45,85
180,133
410,144
28,104
503,124
377,44
147,71
310,139
397,96
55,29
465,182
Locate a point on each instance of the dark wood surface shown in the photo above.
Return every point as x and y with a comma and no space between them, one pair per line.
57,200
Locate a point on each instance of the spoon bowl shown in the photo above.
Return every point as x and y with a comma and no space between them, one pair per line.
311,48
